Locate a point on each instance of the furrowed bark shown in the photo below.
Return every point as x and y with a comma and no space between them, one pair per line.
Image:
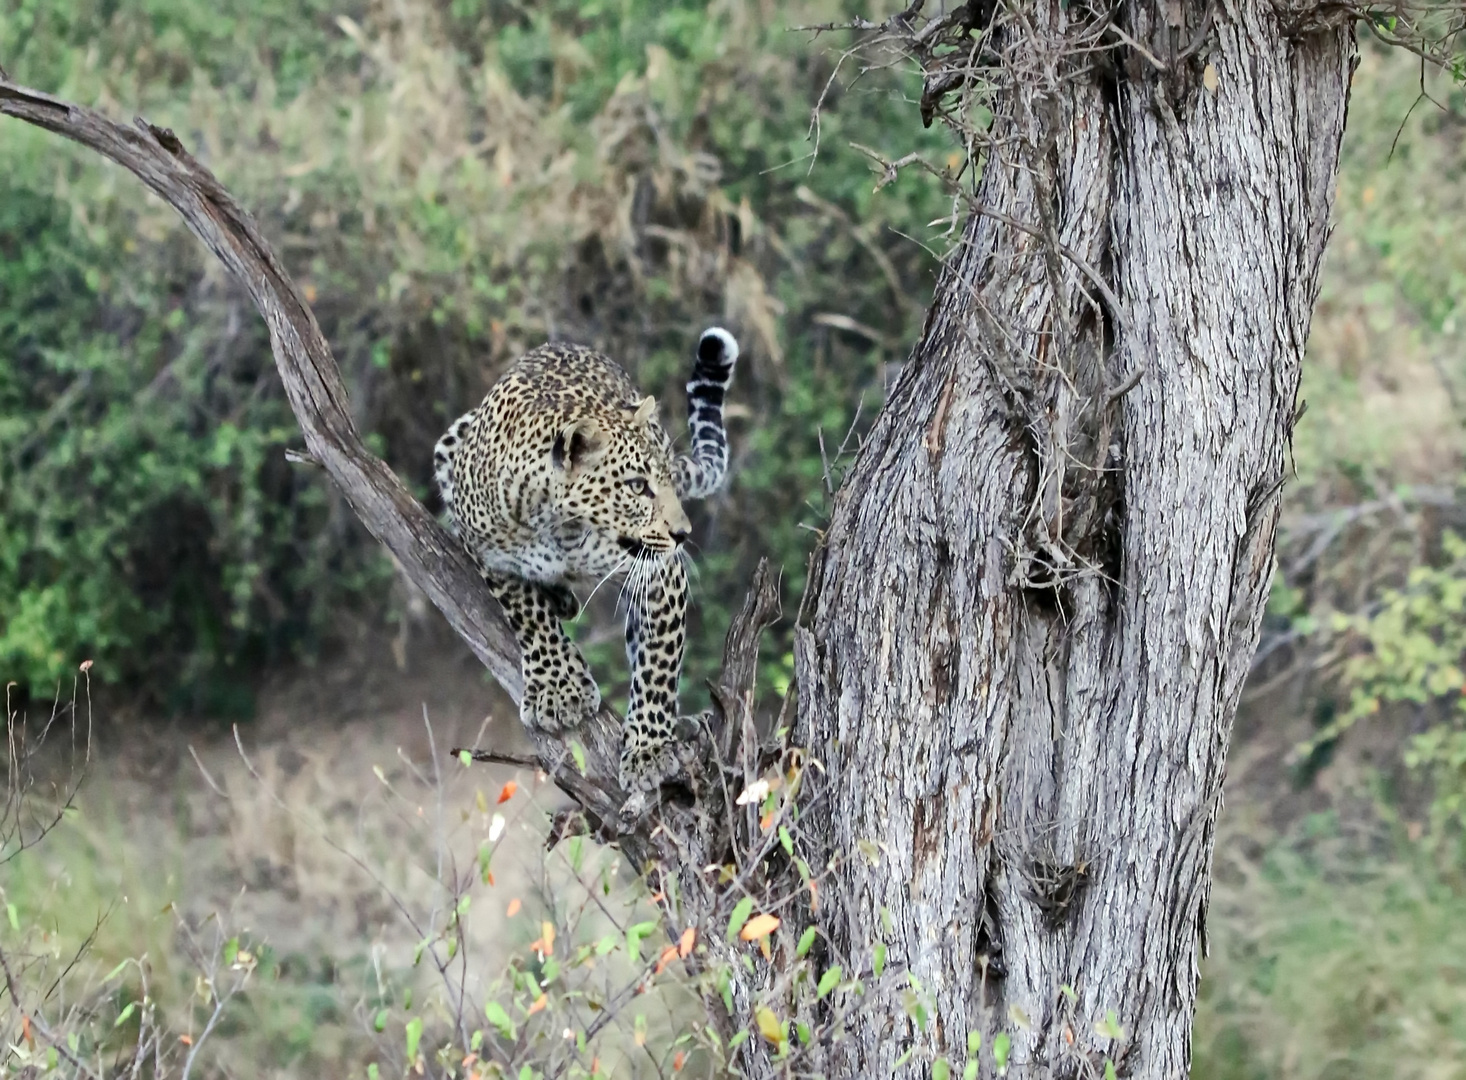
1045,573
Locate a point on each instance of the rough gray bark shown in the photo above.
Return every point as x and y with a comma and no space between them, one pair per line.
1046,571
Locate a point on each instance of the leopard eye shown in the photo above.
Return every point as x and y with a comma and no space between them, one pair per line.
639,486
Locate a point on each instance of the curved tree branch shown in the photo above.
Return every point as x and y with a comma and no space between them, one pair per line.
429,556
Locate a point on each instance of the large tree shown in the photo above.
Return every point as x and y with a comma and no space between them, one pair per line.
1033,610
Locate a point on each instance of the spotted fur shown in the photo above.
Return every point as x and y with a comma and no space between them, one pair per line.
564,477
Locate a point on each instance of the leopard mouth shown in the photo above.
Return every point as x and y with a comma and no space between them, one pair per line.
641,549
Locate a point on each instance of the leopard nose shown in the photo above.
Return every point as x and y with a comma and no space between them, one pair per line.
680,536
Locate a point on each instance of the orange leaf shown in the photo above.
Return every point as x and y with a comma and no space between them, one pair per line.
766,822
658,897
25,1031
668,955
760,926
814,895
686,942
539,1004
679,1061
185,1040
547,935
506,792
489,877
513,908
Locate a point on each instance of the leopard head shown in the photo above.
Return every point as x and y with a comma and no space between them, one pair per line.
616,471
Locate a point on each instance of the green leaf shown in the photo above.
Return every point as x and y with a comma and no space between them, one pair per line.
127,1011
878,962
806,942
414,1036
465,757
974,1043
13,915
941,1070
969,1071
1001,1045
786,840
496,1015
741,911
379,1022
373,1073
829,980
635,934
1109,1069
577,752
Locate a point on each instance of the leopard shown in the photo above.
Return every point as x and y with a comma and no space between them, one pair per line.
564,478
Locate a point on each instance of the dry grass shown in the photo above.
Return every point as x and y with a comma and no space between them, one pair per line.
332,849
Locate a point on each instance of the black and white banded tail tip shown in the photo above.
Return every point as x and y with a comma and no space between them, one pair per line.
699,472
717,350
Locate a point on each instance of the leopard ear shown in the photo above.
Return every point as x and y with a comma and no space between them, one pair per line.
578,446
646,409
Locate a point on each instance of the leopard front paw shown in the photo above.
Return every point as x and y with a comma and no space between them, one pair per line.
554,706
645,767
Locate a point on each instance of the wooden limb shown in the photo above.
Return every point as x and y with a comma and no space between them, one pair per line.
429,556
733,694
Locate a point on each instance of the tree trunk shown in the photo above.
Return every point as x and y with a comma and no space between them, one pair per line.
1045,574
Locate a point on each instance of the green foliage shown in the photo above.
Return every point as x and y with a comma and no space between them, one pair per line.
1411,648
450,183
148,513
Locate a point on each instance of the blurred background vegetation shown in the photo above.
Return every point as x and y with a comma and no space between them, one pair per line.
452,181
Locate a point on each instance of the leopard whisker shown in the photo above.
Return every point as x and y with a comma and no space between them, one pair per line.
608,576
